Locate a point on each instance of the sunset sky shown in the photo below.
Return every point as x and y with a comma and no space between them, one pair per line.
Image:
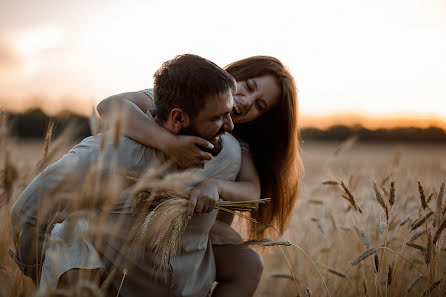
377,58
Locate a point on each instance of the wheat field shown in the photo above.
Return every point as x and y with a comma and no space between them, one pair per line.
334,234
368,222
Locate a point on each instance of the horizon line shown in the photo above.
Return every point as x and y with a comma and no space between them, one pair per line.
315,120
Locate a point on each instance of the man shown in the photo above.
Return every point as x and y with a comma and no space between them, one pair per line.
192,96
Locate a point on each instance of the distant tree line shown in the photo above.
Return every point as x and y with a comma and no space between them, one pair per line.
34,122
398,134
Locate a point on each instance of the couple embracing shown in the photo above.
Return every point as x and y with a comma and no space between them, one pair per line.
194,104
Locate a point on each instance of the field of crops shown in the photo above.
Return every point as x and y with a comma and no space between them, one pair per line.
338,218
368,222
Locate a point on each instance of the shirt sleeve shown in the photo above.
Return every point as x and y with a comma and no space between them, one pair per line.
148,92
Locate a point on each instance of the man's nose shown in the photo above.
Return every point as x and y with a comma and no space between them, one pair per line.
228,125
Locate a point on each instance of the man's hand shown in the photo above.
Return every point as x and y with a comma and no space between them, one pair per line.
203,197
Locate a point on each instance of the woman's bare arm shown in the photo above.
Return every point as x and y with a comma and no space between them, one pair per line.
139,127
247,186
132,106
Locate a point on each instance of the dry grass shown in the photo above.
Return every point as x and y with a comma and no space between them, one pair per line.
393,245
368,254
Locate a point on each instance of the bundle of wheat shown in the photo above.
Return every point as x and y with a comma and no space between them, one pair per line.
162,215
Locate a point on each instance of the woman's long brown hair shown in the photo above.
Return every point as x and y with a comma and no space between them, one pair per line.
274,143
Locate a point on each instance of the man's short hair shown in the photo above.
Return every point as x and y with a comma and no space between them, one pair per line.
185,81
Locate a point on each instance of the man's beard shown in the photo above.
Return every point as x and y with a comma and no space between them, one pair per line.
217,146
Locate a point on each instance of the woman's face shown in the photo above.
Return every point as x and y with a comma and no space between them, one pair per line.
254,97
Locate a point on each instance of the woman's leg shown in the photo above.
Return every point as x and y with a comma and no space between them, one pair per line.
73,276
239,269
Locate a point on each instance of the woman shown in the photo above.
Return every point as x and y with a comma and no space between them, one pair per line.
266,116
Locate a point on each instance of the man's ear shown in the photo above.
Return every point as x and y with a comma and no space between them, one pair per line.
178,119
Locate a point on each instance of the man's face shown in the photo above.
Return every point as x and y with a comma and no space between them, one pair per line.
213,120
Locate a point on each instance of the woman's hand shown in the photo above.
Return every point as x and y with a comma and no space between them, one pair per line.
184,151
203,197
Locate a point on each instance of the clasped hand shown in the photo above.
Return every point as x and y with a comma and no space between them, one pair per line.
184,150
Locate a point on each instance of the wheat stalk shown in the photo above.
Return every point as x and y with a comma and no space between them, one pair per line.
366,293
268,242
389,275
346,145
431,288
392,194
282,275
417,234
376,262
365,255
428,252
413,283
48,137
416,246
422,196
124,273
340,274
365,239
349,197
439,230
420,222
439,203
381,200
309,292
330,182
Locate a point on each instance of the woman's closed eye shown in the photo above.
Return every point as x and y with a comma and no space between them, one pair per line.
261,105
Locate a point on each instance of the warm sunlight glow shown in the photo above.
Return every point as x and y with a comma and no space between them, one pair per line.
30,44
